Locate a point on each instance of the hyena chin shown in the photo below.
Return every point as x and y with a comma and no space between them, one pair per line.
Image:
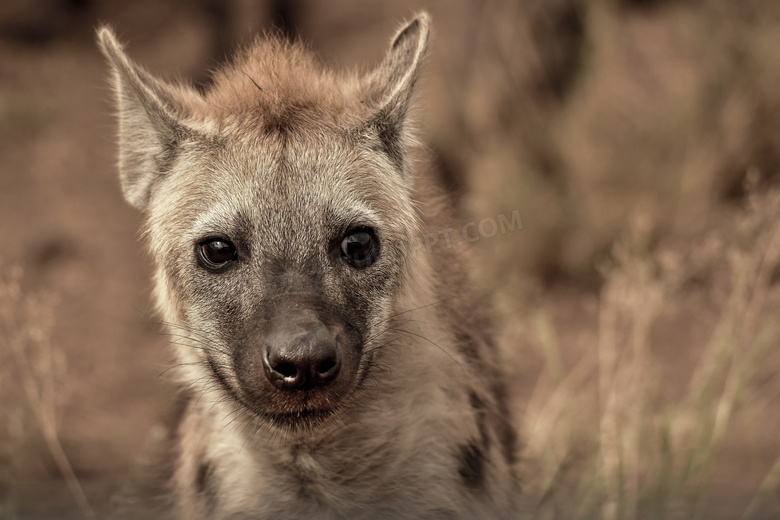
336,371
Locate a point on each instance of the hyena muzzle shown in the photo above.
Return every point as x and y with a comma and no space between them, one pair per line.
334,370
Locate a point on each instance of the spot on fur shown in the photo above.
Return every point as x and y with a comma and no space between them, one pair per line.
480,416
471,465
205,483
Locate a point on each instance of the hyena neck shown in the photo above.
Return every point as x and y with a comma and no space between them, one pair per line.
336,473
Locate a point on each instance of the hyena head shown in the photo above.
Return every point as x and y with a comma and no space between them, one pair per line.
279,217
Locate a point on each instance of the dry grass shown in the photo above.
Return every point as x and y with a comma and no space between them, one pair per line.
655,403
603,438
35,368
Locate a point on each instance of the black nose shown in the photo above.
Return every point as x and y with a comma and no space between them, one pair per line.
301,356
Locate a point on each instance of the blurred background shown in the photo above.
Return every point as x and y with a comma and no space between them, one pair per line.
638,139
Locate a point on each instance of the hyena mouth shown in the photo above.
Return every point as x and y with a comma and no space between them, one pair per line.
305,419
300,411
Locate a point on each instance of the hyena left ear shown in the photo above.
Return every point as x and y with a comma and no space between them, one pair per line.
390,87
150,128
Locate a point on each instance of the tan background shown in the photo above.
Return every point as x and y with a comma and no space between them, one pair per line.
582,115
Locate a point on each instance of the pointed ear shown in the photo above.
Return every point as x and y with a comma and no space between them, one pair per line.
149,122
391,85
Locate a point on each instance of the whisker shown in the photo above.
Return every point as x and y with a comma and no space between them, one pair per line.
429,341
419,308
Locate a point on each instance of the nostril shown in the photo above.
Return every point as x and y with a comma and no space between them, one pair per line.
326,371
326,366
285,369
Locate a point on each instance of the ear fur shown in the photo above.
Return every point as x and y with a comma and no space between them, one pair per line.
150,125
391,85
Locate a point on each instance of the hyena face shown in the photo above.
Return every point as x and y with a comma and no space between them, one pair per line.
279,217
287,261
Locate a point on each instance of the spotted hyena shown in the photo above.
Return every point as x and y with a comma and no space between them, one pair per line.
334,370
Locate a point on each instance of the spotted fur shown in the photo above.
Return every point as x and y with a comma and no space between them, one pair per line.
281,157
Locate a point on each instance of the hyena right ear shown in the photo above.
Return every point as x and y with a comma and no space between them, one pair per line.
150,125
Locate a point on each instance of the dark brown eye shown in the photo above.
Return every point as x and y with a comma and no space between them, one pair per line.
215,253
359,248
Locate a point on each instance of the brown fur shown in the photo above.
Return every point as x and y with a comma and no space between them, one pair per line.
282,158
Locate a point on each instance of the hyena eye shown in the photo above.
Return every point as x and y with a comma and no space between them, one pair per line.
215,253
359,248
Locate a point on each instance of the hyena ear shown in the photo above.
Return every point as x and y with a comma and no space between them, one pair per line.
149,112
391,85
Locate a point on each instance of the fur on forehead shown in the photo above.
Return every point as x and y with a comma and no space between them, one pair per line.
278,85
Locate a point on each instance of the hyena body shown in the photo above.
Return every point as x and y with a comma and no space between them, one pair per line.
334,370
